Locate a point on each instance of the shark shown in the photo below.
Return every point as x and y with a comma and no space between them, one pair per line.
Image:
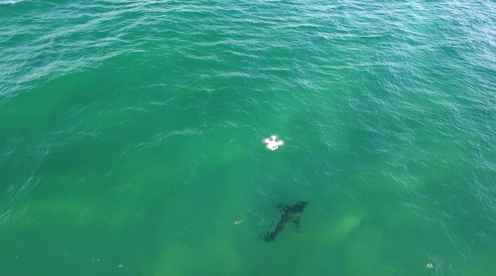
289,213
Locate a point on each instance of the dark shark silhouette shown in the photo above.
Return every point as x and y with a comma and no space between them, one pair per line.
289,214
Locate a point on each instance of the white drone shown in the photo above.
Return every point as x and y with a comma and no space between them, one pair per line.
273,144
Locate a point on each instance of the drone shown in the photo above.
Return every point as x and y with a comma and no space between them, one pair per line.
273,144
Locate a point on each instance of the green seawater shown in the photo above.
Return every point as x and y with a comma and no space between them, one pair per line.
131,137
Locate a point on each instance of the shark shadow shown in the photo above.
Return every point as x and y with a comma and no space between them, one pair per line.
290,213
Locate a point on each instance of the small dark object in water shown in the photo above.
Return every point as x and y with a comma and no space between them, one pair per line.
289,214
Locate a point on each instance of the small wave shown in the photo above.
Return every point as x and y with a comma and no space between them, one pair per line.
11,2
157,140
10,216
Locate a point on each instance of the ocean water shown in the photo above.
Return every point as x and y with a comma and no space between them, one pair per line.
131,137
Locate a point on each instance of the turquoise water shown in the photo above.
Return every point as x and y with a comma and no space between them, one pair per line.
131,137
